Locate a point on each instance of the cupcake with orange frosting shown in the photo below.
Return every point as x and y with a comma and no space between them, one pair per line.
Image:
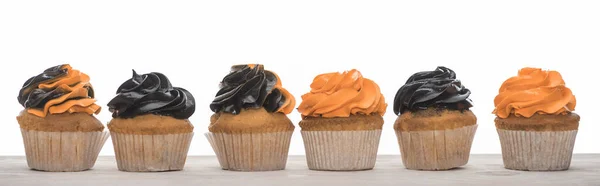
59,130
535,121
435,127
342,121
249,130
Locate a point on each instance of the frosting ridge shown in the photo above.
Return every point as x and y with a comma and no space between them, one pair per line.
151,93
438,88
533,91
59,89
251,86
341,95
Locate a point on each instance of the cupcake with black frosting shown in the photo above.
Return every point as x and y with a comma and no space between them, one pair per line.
150,127
435,127
249,130
60,132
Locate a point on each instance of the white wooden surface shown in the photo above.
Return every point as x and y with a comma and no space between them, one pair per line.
205,170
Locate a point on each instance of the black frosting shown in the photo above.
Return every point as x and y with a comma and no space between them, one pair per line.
151,93
245,88
30,96
438,88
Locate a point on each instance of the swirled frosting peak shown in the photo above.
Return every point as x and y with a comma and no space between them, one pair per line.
533,91
341,95
59,89
438,88
151,93
251,86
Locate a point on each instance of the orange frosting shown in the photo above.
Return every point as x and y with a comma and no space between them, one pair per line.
290,101
75,86
341,95
534,91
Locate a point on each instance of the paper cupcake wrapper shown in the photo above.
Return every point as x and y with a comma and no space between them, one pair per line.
251,151
341,150
151,153
537,151
62,151
436,149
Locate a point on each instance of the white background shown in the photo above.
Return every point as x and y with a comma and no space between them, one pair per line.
195,42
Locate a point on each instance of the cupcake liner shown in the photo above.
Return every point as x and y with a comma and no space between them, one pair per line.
218,145
341,150
251,151
151,153
436,149
62,151
537,150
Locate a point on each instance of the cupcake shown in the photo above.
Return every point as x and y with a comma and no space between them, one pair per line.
435,127
150,128
249,130
59,130
342,121
535,122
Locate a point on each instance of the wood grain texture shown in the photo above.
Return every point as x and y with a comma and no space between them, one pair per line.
205,170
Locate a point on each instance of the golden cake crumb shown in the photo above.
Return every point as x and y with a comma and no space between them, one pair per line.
434,119
65,122
150,124
539,122
250,121
352,123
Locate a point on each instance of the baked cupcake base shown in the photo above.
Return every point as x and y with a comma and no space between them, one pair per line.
436,149
537,151
151,143
253,140
67,142
151,153
62,151
435,139
341,144
341,150
251,151
538,143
